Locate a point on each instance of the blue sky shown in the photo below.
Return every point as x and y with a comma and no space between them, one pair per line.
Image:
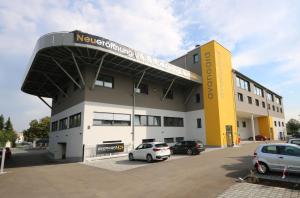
263,37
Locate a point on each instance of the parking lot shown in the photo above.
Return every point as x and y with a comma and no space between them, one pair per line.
205,175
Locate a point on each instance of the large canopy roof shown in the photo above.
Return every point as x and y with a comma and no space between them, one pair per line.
58,57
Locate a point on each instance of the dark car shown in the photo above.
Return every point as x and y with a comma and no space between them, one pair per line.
259,138
7,153
192,147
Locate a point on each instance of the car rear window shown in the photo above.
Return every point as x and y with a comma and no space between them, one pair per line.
161,145
269,149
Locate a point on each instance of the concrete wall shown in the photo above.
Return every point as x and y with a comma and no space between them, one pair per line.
72,137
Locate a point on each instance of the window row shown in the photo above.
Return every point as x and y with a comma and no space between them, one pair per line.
240,97
243,124
279,124
166,140
117,119
65,123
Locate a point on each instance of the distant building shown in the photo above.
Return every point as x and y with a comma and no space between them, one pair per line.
20,137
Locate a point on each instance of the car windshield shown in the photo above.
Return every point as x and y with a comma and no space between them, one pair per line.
161,145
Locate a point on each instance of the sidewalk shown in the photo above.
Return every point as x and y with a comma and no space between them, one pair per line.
247,190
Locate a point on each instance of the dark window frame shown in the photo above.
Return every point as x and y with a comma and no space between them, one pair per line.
76,122
169,121
104,78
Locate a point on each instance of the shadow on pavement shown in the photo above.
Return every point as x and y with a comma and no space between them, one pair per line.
30,157
240,169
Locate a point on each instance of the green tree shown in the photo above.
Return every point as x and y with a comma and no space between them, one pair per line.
37,129
8,125
293,126
1,122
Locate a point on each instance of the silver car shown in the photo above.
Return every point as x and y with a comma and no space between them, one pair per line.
294,141
277,157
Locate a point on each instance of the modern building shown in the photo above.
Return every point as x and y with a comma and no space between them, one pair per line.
108,98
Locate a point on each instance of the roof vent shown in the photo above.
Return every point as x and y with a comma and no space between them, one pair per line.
197,45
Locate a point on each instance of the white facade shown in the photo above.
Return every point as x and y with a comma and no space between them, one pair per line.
89,135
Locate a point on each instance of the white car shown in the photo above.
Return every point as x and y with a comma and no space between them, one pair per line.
150,151
277,157
294,141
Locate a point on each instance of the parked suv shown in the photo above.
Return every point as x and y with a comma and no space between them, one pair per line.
277,157
150,151
191,147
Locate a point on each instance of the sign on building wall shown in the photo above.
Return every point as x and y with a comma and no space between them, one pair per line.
84,38
109,148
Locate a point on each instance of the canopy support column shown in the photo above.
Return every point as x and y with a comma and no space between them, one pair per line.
98,71
44,101
59,65
78,69
189,96
53,83
169,88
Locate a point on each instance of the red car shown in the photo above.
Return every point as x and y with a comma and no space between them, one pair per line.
7,153
259,138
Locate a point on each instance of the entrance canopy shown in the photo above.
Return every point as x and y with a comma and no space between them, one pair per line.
61,56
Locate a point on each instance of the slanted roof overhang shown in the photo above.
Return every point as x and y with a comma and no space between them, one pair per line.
88,50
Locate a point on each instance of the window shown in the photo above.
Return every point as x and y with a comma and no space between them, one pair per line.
109,119
277,100
277,108
244,124
283,124
257,102
170,93
153,120
289,150
249,100
169,140
278,123
269,149
144,120
197,98
199,123
63,123
258,91
263,104
173,122
280,110
143,89
270,97
105,81
54,126
148,140
240,97
269,106
179,139
238,124
273,107
243,84
75,120
196,58
275,123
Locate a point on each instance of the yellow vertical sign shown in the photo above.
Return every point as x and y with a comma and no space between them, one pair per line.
218,89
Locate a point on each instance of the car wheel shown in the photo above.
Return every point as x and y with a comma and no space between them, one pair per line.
262,168
149,158
130,157
189,152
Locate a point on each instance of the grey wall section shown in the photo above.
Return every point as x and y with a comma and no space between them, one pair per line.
121,94
187,61
252,108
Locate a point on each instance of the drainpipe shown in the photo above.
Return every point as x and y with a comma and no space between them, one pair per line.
133,112
253,129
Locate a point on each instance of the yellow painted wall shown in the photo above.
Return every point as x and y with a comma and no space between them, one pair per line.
265,125
218,89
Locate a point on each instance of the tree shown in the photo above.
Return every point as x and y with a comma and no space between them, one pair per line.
1,122
293,126
8,125
37,129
